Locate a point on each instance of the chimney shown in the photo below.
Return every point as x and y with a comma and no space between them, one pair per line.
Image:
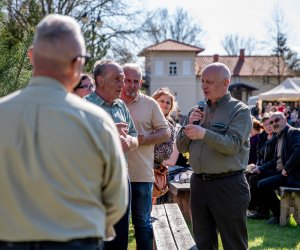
242,54
216,57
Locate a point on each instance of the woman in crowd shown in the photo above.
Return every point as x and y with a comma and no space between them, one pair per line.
85,86
255,131
166,153
265,150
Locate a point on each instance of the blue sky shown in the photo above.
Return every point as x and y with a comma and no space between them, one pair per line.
248,18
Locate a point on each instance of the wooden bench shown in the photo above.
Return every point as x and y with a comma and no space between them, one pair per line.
170,229
180,194
289,204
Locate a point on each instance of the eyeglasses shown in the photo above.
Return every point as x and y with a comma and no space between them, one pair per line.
88,87
275,121
86,57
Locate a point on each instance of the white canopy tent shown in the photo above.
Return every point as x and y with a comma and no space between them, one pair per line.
288,90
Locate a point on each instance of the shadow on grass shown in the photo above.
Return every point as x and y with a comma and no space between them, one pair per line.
261,236
264,236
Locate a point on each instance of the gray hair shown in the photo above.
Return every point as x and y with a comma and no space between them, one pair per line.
101,66
133,66
58,38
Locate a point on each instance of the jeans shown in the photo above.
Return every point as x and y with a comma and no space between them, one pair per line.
121,229
141,207
77,244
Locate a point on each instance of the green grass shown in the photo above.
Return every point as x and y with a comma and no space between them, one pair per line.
261,236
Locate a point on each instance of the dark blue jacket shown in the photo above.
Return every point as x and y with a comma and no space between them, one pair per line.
290,154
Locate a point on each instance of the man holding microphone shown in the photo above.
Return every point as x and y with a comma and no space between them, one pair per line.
219,149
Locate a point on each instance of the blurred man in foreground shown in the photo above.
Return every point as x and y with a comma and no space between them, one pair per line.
62,170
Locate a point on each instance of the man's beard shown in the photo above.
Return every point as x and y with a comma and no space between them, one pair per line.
131,93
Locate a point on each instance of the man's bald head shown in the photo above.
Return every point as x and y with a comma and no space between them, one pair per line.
215,81
219,69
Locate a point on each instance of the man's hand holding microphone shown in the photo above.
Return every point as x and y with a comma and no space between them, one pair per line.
193,130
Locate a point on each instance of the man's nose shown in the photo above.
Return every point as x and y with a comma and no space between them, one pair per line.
131,84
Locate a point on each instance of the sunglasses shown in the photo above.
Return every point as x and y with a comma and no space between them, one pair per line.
275,121
88,87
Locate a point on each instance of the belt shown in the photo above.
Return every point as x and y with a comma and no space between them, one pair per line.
211,177
74,242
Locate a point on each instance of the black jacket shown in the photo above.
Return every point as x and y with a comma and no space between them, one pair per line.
265,149
290,153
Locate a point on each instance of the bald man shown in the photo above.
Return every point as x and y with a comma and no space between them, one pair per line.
63,181
219,151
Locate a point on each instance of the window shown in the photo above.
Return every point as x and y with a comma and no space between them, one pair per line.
159,66
266,79
172,68
237,94
186,67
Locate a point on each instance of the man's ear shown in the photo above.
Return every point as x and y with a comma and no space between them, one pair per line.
226,82
29,54
99,81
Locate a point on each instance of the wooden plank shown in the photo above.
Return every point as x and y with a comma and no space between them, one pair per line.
180,230
288,189
289,204
176,187
297,208
284,208
163,237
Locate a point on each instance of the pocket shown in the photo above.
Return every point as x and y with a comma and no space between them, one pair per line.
218,130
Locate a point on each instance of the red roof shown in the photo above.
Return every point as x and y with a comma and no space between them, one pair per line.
246,65
171,45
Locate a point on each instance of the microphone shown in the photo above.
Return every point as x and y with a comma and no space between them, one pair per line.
201,105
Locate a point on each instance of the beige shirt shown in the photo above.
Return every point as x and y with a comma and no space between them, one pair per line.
279,165
147,117
62,168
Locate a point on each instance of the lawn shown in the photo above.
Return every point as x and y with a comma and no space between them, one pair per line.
261,236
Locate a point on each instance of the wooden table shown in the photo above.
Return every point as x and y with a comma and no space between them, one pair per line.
180,194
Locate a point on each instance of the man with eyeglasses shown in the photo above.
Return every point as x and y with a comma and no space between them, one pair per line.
85,86
63,180
109,79
286,160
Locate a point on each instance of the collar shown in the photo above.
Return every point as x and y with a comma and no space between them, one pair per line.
225,98
100,100
282,132
44,81
137,98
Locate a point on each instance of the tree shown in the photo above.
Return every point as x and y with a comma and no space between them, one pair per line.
232,44
285,56
19,18
160,25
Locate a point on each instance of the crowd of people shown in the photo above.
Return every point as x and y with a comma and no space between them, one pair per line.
78,153
292,113
273,162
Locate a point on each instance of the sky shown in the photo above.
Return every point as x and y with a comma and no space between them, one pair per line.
247,18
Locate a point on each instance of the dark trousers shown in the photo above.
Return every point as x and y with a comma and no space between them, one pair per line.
120,242
255,202
220,206
266,194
